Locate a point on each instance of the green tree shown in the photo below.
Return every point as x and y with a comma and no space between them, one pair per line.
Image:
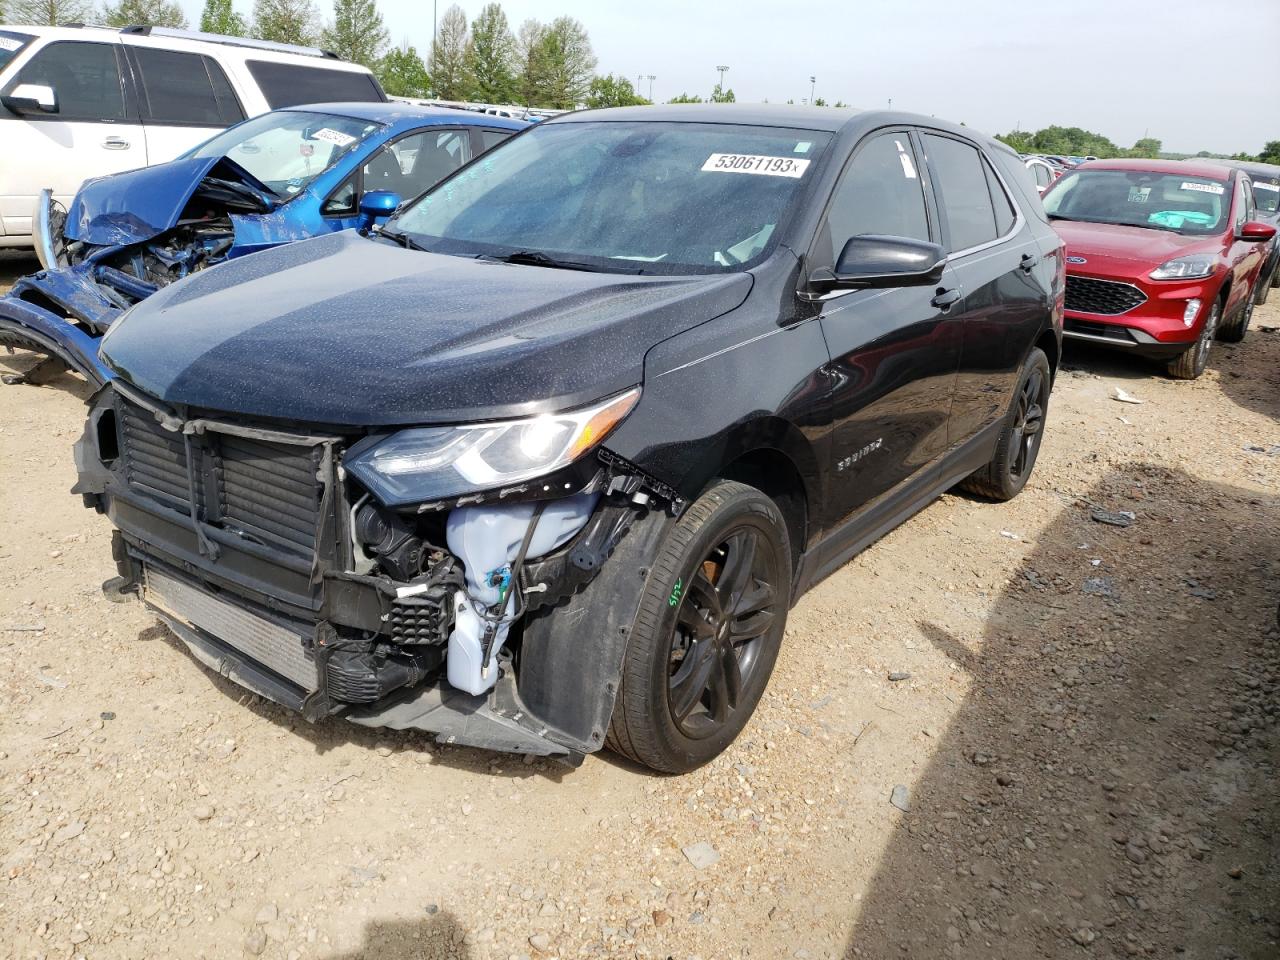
687,98
491,56
51,12
448,67
1270,152
569,62
611,91
218,16
357,33
531,66
403,74
1147,148
147,13
1019,140
286,21
721,95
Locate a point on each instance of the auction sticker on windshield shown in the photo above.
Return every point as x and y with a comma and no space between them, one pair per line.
334,136
9,44
1215,188
754,163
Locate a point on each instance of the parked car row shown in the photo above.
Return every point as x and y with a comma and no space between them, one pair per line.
1163,256
542,462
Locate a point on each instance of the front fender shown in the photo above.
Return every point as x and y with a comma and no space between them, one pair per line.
30,327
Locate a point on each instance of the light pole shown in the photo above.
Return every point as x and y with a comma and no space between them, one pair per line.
650,77
891,103
813,83
434,21
721,87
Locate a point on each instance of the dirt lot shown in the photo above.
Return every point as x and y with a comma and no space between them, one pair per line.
1088,737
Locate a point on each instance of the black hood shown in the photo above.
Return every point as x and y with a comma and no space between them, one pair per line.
349,331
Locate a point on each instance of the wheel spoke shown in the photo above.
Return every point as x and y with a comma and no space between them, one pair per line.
703,593
691,679
750,626
1035,419
735,576
758,597
691,618
726,683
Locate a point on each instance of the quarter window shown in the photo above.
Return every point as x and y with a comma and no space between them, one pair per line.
286,85
960,175
1000,202
84,76
491,138
185,89
879,193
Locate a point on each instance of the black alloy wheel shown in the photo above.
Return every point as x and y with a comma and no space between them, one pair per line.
1010,468
721,625
1028,423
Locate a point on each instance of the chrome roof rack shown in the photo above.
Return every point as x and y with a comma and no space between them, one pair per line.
271,45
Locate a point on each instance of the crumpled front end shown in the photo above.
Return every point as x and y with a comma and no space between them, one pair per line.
123,238
495,619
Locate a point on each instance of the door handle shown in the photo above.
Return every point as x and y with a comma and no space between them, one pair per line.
945,298
1028,261
115,143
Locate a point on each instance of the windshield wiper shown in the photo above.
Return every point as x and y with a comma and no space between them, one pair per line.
1058,216
403,239
536,258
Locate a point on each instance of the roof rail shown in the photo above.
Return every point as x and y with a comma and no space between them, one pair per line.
142,31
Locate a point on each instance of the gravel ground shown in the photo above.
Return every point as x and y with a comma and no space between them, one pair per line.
1085,742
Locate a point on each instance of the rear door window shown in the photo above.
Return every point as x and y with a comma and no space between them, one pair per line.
287,85
960,176
84,76
185,89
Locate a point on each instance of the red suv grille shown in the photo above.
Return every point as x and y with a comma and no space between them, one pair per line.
1106,297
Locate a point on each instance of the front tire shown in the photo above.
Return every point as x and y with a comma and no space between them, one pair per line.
1019,445
707,633
1189,364
1234,331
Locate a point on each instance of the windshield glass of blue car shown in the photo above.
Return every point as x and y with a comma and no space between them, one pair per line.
11,45
286,150
1194,206
630,197
1266,196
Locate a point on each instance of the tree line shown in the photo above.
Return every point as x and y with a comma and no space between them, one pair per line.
1076,142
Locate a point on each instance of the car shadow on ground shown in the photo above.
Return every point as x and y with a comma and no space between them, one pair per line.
437,936
1250,370
333,732
1109,782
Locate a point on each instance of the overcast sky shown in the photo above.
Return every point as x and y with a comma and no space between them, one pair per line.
1197,74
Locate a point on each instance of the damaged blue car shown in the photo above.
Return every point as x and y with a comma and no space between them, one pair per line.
279,177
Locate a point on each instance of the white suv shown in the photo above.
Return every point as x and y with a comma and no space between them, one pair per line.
80,102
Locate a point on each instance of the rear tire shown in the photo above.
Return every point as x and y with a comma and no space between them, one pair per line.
707,633
1019,445
1189,364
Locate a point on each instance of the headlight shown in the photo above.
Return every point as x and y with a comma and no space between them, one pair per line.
1186,268
435,463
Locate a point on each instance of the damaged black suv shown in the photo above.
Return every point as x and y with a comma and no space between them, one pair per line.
542,465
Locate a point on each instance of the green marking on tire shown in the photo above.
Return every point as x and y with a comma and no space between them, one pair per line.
675,593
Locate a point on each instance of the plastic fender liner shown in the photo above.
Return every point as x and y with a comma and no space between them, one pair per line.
571,659
30,327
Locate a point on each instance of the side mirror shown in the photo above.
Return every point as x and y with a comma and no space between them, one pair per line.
878,261
375,205
1255,231
28,98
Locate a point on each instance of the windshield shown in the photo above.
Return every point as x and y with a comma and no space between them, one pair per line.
1196,206
1266,195
286,150
636,197
10,44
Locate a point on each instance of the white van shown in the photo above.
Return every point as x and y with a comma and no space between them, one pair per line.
81,102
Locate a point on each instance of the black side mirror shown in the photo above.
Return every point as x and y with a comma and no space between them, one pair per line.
877,261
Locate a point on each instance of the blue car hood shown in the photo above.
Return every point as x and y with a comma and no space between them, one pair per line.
349,331
139,204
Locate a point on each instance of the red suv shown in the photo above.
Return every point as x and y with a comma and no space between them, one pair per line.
1161,256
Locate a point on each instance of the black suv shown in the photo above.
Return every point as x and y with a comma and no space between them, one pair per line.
542,465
